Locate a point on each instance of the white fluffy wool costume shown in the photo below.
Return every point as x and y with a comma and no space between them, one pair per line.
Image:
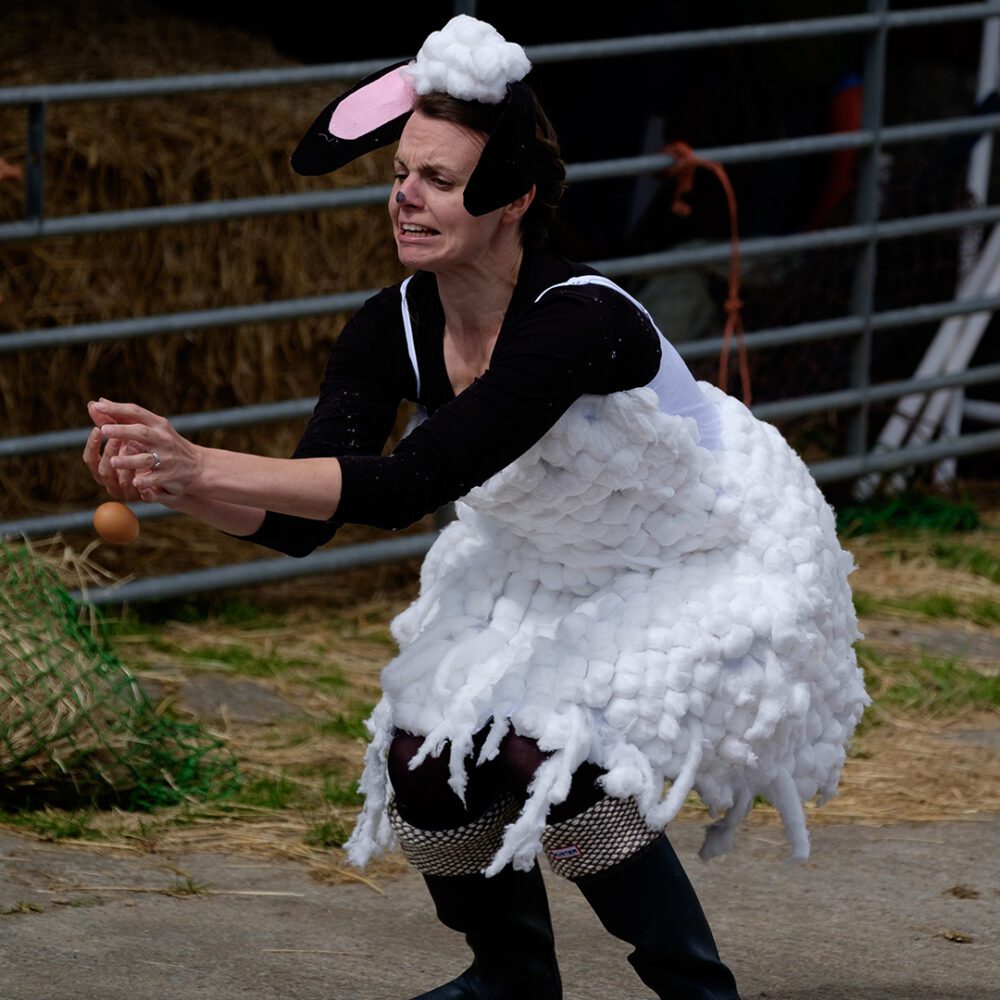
662,596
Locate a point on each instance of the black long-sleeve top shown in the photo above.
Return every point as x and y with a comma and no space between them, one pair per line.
578,340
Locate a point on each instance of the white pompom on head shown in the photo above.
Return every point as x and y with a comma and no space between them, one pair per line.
468,59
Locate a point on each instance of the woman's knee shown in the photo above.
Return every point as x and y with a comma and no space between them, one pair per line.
431,773
521,758
423,794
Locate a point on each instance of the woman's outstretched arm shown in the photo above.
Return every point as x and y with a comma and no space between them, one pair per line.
197,480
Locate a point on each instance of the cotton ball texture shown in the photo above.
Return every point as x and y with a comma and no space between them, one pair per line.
679,617
468,59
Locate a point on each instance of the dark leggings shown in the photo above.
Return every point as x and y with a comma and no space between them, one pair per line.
425,800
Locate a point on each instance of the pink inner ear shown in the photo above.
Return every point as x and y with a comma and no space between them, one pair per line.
366,109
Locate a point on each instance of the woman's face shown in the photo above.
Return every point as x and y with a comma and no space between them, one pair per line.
432,229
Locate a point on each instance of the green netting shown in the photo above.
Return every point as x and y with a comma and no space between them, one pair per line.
74,723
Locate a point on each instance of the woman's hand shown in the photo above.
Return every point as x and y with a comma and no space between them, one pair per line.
118,482
148,458
228,488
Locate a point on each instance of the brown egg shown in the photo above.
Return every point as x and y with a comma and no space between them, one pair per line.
115,523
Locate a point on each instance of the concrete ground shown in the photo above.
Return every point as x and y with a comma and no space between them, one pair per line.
902,912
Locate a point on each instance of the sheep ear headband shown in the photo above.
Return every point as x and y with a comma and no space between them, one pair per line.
467,59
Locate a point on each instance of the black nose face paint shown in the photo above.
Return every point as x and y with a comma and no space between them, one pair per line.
400,197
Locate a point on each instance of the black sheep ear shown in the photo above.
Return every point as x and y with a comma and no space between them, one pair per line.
506,168
368,116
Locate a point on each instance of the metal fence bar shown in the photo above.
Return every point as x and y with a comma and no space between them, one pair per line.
642,264
774,31
784,408
839,469
777,410
287,204
772,149
774,246
412,546
862,324
888,135
190,83
262,571
164,323
186,423
550,53
182,322
866,212
34,174
984,410
843,326
191,213
38,95
779,336
77,520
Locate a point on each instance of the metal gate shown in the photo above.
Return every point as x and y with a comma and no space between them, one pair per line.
926,424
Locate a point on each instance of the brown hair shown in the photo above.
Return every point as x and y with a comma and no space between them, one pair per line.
550,170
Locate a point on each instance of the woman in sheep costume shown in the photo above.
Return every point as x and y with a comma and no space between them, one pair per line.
642,595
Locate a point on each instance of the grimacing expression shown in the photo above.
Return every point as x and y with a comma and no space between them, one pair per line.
432,229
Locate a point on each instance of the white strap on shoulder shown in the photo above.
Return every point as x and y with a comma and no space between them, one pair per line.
599,279
673,384
411,347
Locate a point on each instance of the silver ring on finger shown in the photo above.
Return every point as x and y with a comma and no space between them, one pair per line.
156,461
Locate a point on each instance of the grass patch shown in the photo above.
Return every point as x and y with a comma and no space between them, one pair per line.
54,824
269,793
219,610
134,632
235,612
338,793
239,660
968,559
287,737
908,512
931,605
383,637
350,723
925,684
308,789
983,611
329,833
332,681
865,603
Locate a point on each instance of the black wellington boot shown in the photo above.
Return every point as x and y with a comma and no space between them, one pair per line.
648,901
505,920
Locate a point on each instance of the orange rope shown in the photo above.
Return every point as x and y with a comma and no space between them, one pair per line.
10,171
683,169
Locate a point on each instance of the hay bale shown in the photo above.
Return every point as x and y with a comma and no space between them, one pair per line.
130,154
